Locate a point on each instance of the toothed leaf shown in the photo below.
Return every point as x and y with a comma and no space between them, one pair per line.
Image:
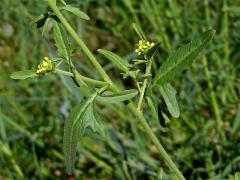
182,58
82,116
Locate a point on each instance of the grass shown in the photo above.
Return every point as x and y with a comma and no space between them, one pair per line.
204,141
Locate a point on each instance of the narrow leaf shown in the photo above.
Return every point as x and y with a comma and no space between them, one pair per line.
182,58
139,31
23,74
118,97
169,96
61,40
76,12
40,20
63,2
166,119
237,176
81,117
162,119
154,112
121,63
47,26
73,130
153,109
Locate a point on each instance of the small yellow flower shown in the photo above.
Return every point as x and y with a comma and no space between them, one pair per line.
143,46
45,66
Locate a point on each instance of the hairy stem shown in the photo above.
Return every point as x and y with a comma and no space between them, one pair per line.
104,75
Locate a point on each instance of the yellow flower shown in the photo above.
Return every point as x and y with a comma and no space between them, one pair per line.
45,66
143,46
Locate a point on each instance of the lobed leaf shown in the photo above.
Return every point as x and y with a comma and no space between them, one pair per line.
120,62
182,58
81,117
169,96
118,97
76,12
23,74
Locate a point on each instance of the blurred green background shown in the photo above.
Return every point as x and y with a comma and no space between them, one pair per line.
32,111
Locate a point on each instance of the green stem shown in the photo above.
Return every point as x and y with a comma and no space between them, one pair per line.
81,77
59,71
154,139
104,75
143,89
80,42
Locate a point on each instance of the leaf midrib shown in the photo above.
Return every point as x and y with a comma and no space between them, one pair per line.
76,120
178,63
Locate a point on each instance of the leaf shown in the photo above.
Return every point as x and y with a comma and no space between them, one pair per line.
139,31
118,97
46,26
81,117
237,176
63,2
154,112
23,74
152,51
165,118
169,96
162,119
98,125
61,40
93,120
121,63
76,12
40,20
182,58
153,109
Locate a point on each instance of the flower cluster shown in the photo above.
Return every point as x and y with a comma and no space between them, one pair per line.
143,46
45,66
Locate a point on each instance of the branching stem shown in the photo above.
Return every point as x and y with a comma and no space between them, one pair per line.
83,78
106,78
